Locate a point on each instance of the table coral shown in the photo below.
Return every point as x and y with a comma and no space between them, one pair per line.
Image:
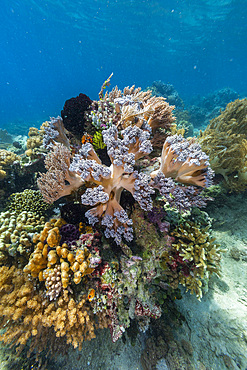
225,141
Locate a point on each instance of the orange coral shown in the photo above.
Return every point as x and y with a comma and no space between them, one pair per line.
43,264
26,314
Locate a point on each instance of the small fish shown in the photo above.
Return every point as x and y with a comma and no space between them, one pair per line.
87,139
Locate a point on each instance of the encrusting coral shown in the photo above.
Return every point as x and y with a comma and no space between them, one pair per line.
29,201
16,229
225,141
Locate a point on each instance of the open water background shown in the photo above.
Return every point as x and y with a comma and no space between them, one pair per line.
52,50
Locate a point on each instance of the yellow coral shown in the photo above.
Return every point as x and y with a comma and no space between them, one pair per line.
225,141
7,158
49,255
193,257
26,314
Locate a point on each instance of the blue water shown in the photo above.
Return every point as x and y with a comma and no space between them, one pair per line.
53,50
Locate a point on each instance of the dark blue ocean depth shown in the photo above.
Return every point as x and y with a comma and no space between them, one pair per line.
53,50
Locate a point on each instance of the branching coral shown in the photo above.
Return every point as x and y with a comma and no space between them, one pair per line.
192,258
26,314
129,107
225,141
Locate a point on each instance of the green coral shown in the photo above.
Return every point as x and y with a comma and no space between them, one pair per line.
29,201
193,257
98,142
225,142
16,231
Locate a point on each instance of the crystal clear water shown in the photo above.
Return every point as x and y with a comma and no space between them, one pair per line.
53,50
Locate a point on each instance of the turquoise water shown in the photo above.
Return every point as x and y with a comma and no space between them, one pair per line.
53,50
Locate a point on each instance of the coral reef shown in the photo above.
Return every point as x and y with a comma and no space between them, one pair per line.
128,185
168,91
5,137
205,108
218,99
225,141
183,122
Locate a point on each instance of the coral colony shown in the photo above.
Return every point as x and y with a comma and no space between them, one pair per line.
68,279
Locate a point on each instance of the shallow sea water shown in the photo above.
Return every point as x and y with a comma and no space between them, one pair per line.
54,50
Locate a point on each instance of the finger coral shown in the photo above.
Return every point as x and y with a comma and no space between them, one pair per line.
225,142
193,257
26,314
57,263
